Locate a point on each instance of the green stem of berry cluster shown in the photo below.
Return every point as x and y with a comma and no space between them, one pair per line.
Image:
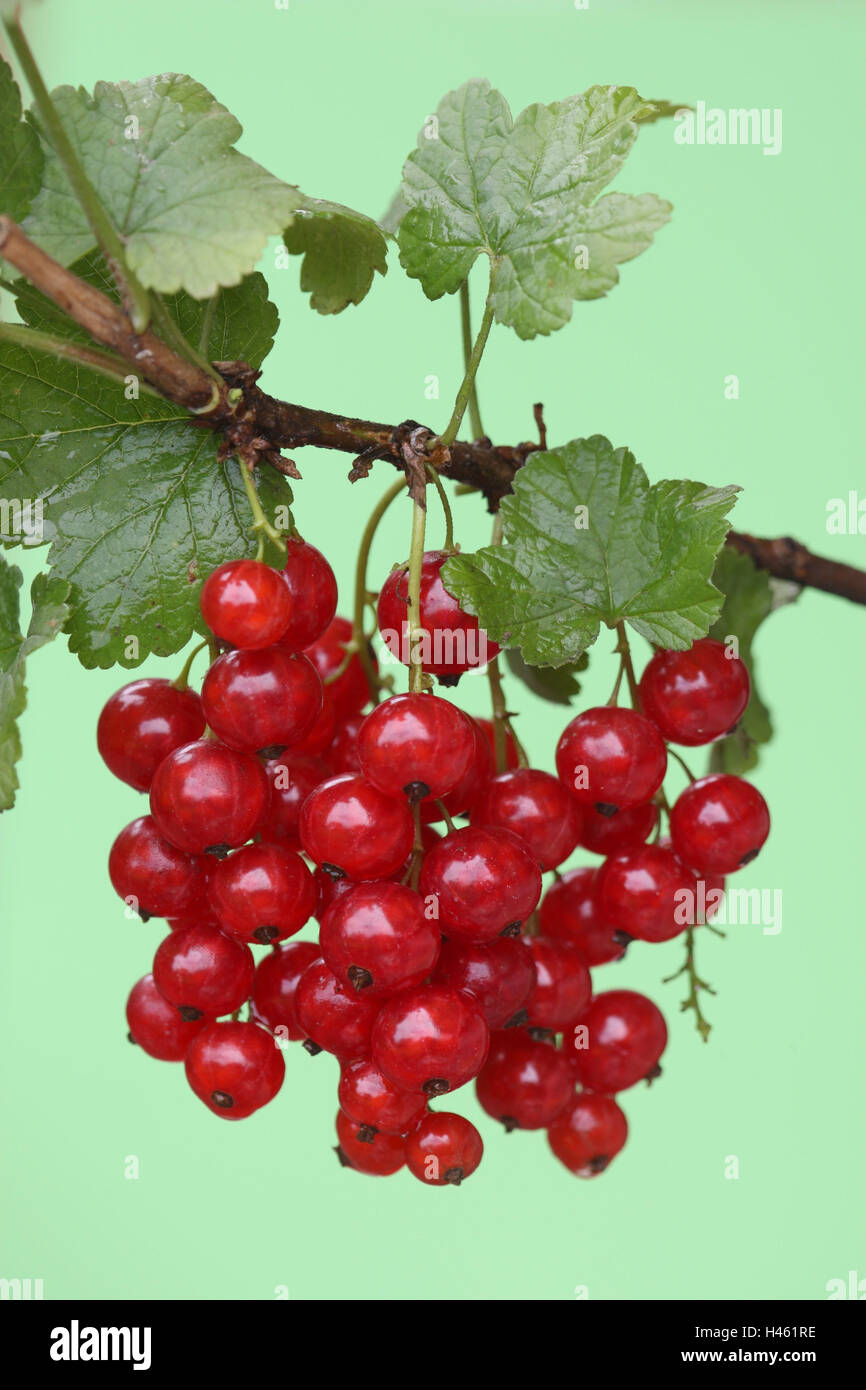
172,335
467,386
182,682
260,521
466,325
502,725
413,615
696,986
446,507
363,596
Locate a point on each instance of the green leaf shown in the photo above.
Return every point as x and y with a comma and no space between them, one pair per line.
193,212
662,110
589,541
523,193
21,159
750,596
137,507
556,684
342,250
49,612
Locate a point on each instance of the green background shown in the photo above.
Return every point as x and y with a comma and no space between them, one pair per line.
761,274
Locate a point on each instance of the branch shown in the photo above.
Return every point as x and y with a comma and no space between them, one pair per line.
788,559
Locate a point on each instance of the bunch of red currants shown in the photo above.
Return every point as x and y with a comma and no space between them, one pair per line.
274,800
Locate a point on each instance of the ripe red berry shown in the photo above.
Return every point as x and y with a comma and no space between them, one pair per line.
562,986
331,1018
617,1041
313,593
695,696
374,1104
611,758
261,700
348,691
262,893
430,1039
569,911
156,1025
275,983
343,755
349,825
614,834
498,974
246,603
484,881
319,737
235,1068
587,1134
200,971
524,1083
462,796
647,892
452,642
208,797
537,808
292,777
719,823
416,745
377,939
443,1149
511,755
141,724
147,871
378,1155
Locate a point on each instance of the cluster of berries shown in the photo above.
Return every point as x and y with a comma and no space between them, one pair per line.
274,800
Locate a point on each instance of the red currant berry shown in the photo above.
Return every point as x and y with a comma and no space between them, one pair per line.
275,983
443,1150
329,889
512,758
141,724
615,834
371,1102
617,1041
207,797
156,1026
378,1155
377,939
348,691
537,808
611,758
647,892
262,893
587,1134
319,737
150,874
235,1068
562,986
331,1018
569,911
200,971
452,641
462,796
313,592
719,823
695,696
416,745
484,882
343,755
524,1083
499,975
292,777
246,603
430,1039
348,825
261,700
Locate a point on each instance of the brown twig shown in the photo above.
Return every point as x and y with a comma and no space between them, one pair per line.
788,559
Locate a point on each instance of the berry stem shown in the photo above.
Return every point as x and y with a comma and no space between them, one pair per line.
696,984
417,849
416,557
260,521
465,392
182,682
683,764
624,650
466,325
172,335
446,507
446,816
502,725
362,596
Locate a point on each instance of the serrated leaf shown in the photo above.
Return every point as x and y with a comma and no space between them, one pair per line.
750,596
21,158
556,684
523,193
49,613
194,214
589,541
136,506
342,251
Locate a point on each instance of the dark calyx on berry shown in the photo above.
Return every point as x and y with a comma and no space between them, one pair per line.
311,1047
218,851
454,1176
265,935
746,859
509,1124
598,1164
604,808
513,929
623,938
653,1074
333,871
188,1013
436,1086
367,1133
222,1099
415,792
343,1161
358,977
517,1020
545,1035
274,750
